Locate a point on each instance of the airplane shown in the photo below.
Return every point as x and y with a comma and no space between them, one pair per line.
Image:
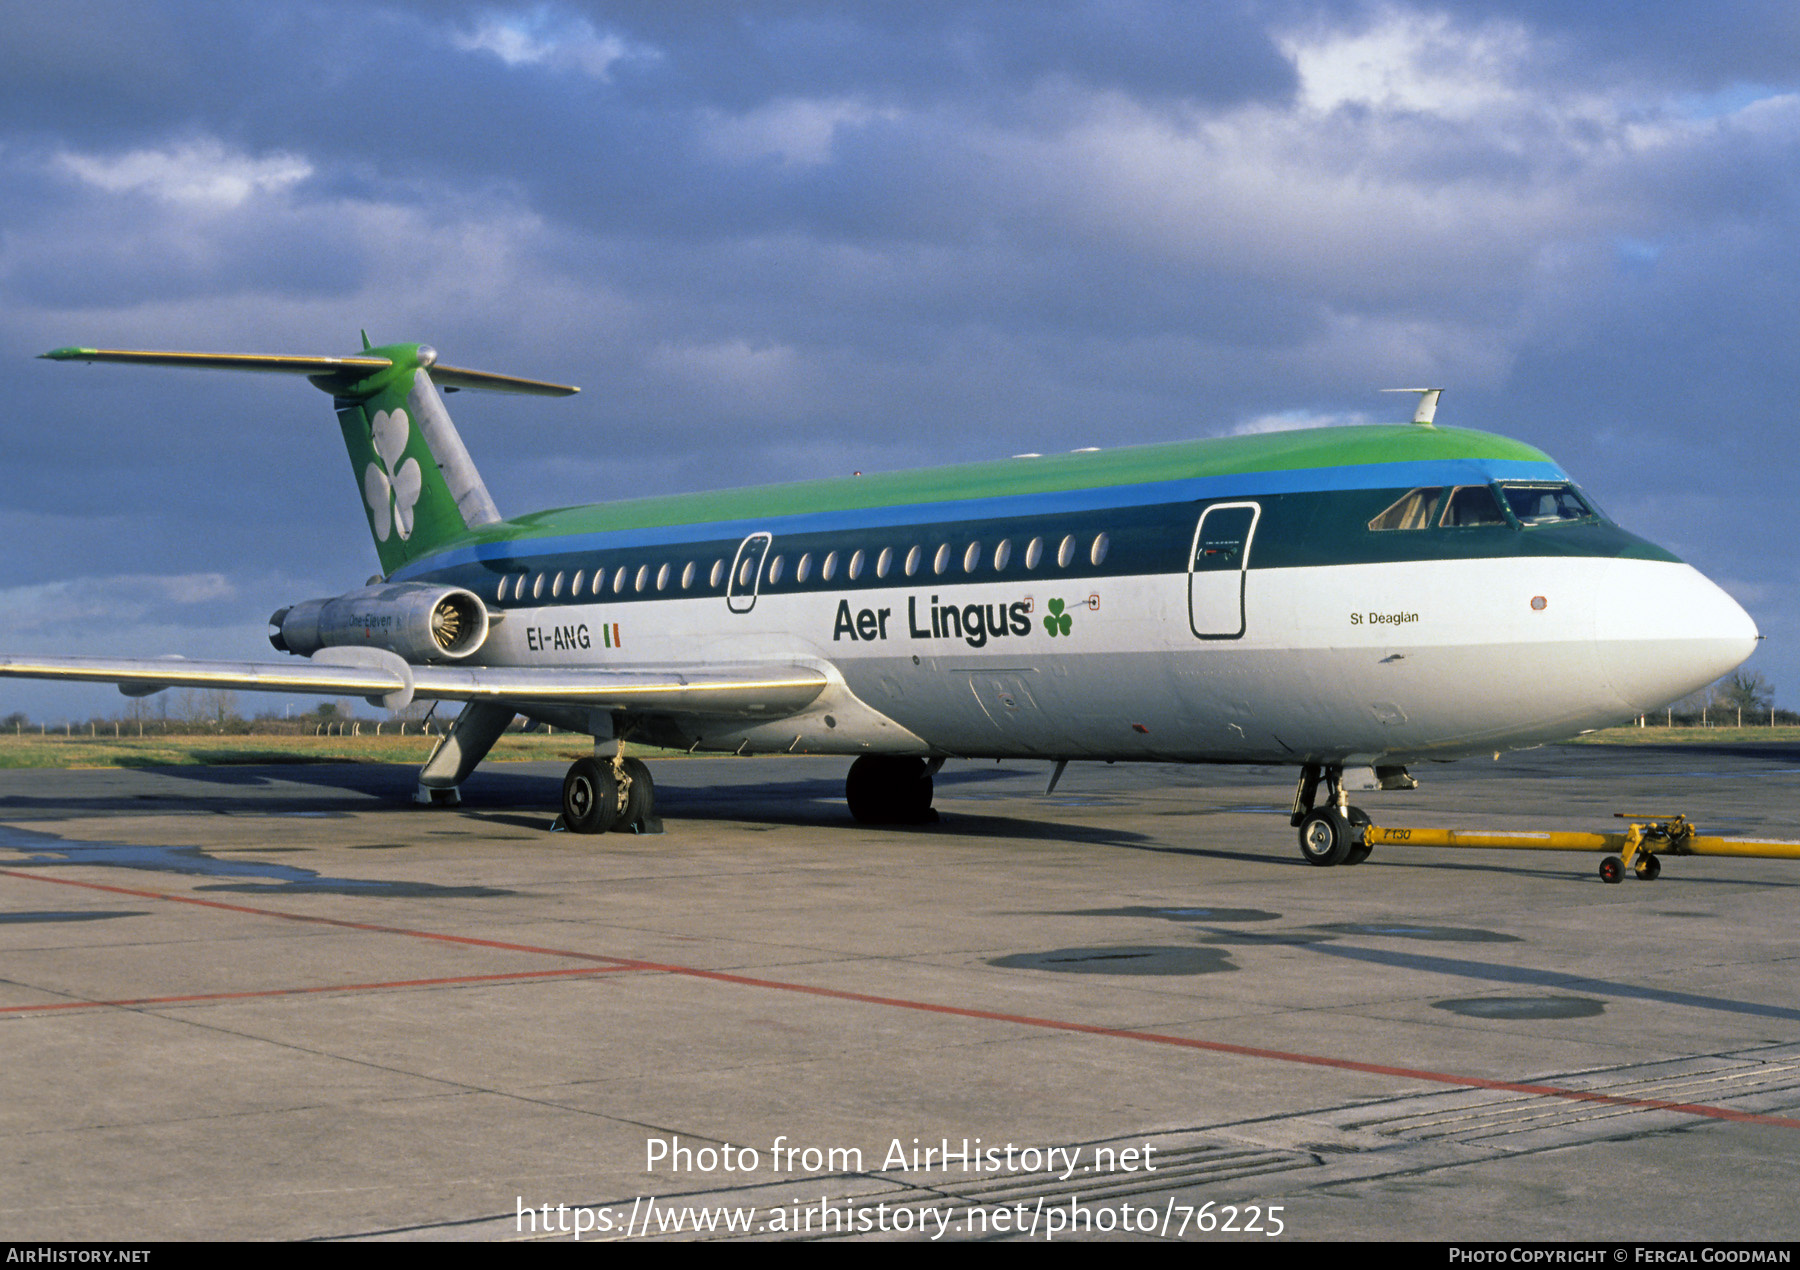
1330,599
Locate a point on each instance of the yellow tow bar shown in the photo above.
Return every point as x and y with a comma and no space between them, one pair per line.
1636,849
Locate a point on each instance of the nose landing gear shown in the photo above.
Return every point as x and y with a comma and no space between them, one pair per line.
1332,834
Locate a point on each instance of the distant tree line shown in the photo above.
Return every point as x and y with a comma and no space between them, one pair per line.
1743,694
212,712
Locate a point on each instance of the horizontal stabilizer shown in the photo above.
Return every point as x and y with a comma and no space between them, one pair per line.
288,364
762,692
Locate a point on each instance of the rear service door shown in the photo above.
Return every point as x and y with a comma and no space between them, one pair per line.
1220,560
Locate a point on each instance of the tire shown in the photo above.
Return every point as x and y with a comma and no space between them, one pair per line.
640,797
885,789
1612,869
865,790
1359,824
1324,837
590,799
1648,867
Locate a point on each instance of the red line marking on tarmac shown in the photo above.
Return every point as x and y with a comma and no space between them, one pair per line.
124,1003
1704,1110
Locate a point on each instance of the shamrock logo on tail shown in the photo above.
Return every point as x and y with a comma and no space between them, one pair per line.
1056,621
391,491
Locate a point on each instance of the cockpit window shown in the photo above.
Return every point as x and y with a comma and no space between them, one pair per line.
1412,511
1545,504
1472,505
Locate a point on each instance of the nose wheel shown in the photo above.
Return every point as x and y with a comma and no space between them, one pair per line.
1335,832
1329,836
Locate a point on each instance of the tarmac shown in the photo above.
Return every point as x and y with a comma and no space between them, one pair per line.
283,1003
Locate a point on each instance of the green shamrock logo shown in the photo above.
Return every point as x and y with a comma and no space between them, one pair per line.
1056,621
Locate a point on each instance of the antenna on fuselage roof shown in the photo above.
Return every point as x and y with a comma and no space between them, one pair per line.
1428,399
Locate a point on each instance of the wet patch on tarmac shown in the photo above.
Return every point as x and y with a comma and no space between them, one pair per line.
38,850
77,915
1407,930
1121,959
1494,972
1523,1007
1180,914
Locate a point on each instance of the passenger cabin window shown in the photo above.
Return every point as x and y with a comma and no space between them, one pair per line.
856,566
828,570
1412,511
972,558
913,558
775,567
884,562
1002,554
1097,554
1545,504
718,573
803,570
687,575
1034,553
1065,554
1470,506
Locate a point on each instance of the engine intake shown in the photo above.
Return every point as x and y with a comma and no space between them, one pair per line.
416,620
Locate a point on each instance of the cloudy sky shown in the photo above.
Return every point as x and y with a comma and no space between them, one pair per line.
774,241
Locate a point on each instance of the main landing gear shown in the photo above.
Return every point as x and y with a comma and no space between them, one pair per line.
888,789
601,794
1334,833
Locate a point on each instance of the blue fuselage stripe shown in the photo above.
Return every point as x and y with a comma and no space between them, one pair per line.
1098,498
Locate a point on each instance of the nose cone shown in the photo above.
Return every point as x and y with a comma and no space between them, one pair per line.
1663,630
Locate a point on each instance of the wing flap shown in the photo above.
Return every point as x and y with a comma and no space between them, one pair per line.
764,692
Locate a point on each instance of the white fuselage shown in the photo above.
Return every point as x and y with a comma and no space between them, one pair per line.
1352,663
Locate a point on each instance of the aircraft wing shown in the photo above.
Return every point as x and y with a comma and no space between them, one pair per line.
762,692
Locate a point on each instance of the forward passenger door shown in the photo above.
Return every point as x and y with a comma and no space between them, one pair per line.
1217,568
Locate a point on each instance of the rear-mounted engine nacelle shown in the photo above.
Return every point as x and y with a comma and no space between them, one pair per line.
418,621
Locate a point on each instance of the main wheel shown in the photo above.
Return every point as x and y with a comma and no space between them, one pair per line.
1359,824
886,789
640,797
1325,837
590,799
